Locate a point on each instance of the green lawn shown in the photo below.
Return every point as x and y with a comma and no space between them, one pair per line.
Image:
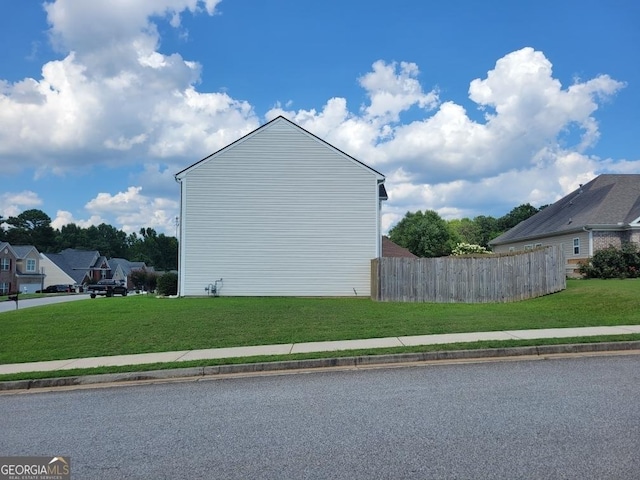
140,324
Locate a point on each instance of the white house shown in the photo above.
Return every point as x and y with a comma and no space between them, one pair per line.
279,212
54,274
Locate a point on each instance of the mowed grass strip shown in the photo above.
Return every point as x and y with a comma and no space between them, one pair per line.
142,324
319,355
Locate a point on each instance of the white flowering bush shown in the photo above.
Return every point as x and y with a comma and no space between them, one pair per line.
468,249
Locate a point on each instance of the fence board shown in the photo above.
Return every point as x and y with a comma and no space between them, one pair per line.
469,279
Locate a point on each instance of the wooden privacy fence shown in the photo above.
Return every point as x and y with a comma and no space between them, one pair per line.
469,279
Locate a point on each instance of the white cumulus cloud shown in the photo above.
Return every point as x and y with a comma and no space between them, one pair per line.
13,204
131,209
113,97
64,217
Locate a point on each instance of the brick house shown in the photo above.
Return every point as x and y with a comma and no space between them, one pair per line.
19,269
604,212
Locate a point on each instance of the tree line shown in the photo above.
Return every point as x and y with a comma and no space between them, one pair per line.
33,227
426,234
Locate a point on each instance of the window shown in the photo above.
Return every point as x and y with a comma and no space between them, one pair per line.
576,246
31,265
5,263
538,245
4,288
528,247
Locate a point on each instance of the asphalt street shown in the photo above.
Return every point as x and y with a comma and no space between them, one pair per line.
10,305
562,418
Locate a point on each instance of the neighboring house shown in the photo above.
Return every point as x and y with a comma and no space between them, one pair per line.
80,266
279,212
390,249
605,211
54,274
121,270
19,269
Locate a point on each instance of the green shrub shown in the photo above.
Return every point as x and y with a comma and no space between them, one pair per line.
612,262
631,255
168,284
152,282
144,280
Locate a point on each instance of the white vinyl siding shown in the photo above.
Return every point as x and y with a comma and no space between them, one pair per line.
279,213
53,275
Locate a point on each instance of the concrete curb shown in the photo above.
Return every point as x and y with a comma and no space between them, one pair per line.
344,362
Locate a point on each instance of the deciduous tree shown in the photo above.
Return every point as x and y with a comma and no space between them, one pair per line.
516,215
423,234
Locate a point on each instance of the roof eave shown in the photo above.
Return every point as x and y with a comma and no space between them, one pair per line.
609,226
589,227
536,237
183,173
8,246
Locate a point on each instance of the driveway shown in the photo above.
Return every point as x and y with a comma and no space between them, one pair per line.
9,306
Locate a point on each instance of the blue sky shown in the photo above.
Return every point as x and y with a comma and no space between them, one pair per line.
469,108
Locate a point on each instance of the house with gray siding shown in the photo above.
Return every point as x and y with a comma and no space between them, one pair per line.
74,267
279,212
121,270
603,212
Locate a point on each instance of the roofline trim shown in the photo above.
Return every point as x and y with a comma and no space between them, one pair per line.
593,227
15,253
181,174
611,226
30,247
8,245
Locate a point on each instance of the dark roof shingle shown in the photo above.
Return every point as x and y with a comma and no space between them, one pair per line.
390,249
607,200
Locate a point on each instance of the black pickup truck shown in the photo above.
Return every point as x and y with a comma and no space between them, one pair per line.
108,288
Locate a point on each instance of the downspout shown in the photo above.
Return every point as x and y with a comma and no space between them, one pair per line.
379,201
378,222
179,240
590,231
